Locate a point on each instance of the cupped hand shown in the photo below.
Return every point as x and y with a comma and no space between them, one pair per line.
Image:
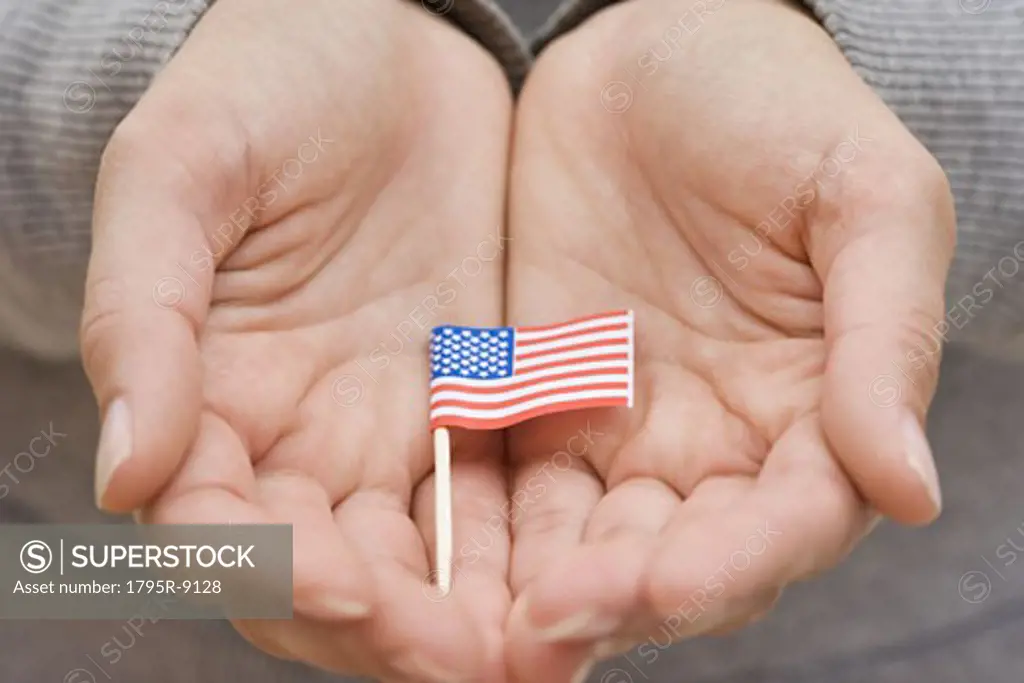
302,193
784,240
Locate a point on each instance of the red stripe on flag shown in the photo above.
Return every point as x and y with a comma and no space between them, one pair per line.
508,420
545,328
492,405
526,382
570,362
576,333
574,347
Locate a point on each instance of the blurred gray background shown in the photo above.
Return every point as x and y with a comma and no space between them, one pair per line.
910,606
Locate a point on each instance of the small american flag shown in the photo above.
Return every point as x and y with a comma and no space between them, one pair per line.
493,377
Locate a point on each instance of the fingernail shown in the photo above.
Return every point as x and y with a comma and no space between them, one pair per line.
584,625
348,609
583,671
919,457
873,521
115,446
759,616
422,669
612,647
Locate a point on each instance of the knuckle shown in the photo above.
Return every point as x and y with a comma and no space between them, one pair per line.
928,180
102,313
138,140
921,330
545,520
663,589
179,142
926,171
906,177
900,172
936,185
838,510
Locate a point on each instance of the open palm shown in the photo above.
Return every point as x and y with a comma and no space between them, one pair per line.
268,258
783,242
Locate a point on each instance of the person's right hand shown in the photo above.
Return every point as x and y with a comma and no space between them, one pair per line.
303,192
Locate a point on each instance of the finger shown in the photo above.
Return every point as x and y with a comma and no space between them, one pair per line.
251,631
593,592
752,615
481,542
552,496
556,663
329,579
147,293
722,556
883,248
216,485
662,633
717,493
396,643
415,635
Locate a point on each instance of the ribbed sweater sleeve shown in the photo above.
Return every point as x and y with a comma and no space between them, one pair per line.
953,71
69,72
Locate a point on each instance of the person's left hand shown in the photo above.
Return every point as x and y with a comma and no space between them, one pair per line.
784,242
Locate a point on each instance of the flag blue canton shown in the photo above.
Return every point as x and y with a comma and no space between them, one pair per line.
472,352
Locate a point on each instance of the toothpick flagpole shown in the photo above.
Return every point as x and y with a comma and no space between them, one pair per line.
443,508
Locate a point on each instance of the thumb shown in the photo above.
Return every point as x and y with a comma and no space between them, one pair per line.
147,296
883,252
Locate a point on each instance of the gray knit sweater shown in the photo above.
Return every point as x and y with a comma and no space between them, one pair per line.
953,70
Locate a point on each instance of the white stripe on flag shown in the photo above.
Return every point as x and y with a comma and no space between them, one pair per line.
586,366
618,335
495,413
454,394
632,354
620,346
573,327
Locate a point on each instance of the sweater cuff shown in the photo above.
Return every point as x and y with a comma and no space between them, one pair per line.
952,71
71,72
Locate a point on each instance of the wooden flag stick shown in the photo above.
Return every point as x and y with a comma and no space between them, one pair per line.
443,508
